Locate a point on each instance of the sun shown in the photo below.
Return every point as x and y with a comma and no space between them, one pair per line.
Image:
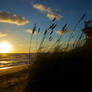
5,47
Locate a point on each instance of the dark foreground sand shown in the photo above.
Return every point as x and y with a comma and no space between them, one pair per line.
14,79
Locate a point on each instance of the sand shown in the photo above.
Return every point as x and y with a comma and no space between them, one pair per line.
14,79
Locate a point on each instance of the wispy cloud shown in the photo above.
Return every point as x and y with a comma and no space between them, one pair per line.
51,16
30,31
63,32
60,32
6,17
40,7
49,13
2,35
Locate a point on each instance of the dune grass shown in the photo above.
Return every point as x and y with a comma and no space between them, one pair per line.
57,63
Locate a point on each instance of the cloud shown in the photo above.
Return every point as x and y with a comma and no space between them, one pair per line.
2,35
60,33
40,7
63,32
6,17
30,31
51,16
49,12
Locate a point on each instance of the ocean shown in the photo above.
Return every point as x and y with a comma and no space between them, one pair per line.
7,60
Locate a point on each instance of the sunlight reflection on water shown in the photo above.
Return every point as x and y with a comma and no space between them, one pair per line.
4,68
4,62
8,60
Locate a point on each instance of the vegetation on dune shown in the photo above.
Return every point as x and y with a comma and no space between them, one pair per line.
57,61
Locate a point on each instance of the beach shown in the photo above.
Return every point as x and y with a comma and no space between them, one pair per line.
14,79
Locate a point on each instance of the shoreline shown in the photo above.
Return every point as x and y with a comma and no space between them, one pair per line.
13,69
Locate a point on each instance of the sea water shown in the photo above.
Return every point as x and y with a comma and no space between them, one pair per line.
7,60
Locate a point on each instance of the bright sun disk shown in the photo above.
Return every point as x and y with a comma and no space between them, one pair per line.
5,47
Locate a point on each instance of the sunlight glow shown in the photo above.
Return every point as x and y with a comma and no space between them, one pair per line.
5,47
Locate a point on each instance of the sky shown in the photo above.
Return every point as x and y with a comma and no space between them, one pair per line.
17,19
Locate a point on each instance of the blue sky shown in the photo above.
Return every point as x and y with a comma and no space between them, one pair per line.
39,12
